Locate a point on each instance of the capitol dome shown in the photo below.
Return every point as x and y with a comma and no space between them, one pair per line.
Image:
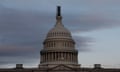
59,47
59,30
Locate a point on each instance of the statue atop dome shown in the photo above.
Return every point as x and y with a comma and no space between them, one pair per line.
58,11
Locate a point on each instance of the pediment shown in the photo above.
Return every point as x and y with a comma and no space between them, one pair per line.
61,67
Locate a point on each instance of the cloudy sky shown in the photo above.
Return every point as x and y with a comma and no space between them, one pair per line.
95,26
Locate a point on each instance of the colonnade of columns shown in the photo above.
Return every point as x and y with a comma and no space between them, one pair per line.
58,34
63,44
59,56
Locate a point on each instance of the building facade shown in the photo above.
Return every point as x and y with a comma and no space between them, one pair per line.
59,53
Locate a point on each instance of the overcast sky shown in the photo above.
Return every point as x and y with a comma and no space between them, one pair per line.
95,26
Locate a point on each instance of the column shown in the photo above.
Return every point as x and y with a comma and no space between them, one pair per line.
59,56
48,56
55,56
64,56
45,57
74,56
41,57
51,56
68,56
71,57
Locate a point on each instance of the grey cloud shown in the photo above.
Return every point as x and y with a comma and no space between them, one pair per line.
83,43
17,51
90,22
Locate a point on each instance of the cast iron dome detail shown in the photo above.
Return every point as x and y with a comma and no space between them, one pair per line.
59,47
59,30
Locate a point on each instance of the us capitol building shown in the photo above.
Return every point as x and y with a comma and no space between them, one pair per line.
59,53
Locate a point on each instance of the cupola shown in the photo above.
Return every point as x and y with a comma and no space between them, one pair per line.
59,30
